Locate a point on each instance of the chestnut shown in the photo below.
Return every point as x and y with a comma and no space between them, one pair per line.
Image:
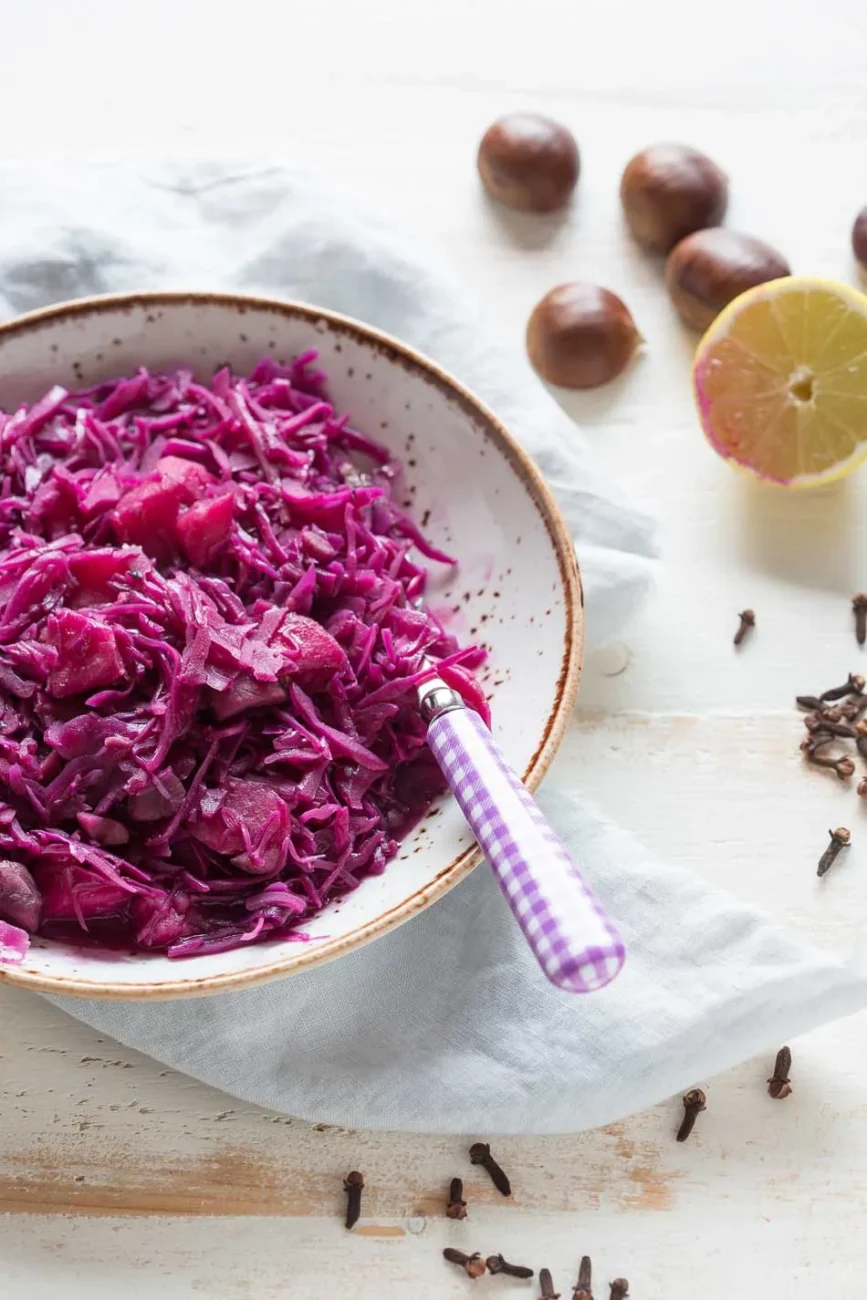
859,238
528,161
581,336
668,191
707,270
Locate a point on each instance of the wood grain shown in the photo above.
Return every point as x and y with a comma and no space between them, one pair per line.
99,1137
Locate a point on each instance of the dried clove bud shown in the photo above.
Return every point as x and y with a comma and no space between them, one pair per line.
748,620
859,608
815,722
473,1265
353,1184
862,787
779,1086
810,744
694,1102
546,1286
844,767
496,1264
457,1206
840,839
811,702
480,1154
581,1290
853,686
854,707
619,1289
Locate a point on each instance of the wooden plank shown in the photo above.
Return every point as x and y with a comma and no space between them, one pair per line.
767,1176
749,1248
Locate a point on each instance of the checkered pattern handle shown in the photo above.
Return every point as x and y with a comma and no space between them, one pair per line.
574,941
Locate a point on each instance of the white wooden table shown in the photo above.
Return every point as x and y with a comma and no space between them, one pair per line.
116,1173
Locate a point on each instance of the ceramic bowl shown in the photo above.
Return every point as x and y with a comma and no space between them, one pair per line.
475,492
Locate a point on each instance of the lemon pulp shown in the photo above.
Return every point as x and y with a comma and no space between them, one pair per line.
781,381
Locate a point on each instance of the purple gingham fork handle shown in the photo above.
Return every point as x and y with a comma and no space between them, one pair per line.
575,942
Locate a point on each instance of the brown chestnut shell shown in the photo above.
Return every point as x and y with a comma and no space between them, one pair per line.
709,269
580,336
859,238
529,162
669,191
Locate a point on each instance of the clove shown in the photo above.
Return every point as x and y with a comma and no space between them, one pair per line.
816,722
853,708
810,745
853,686
861,737
779,1086
546,1286
581,1290
748,620
353,1185
811,702
694,1102
496,1264
840,839
619,1289
862,787
473,1265
457,1206
844,767
480,1154
859,608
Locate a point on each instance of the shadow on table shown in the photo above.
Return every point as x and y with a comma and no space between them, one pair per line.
811,538
528,230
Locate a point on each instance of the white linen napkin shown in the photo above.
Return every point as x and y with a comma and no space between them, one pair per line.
446,1024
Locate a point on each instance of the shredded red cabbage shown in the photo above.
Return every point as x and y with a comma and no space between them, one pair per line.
211,629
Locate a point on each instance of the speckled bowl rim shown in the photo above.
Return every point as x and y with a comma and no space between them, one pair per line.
297,957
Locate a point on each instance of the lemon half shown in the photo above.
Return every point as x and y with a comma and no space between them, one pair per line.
781,381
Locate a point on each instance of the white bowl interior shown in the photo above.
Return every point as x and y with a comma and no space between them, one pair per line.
508,593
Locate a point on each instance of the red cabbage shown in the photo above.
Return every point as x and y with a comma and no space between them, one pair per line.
14,943
211,633
20,900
